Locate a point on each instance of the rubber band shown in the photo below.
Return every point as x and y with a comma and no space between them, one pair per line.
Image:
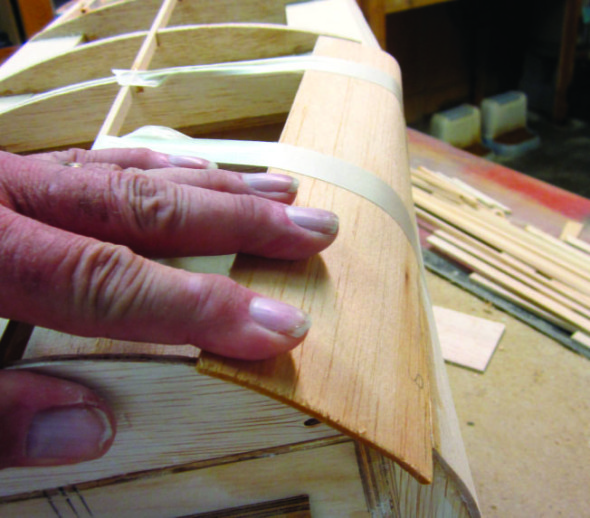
287,64
277,155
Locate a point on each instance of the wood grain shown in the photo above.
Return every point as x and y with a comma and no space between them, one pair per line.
167,415
365,368
467,340
508,282
468,220
294,507
366,347
46,122
392,493
328,473
122,104
137,15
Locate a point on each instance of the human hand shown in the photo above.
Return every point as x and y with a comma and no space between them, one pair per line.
74,242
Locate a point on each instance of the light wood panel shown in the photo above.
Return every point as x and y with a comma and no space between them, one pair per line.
167,415
83,63
333,476
327,473
367,343
137,15
48,121
466,340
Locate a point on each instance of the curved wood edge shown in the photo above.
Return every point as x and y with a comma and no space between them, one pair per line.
377,392
218,43
390,491
137,15
448,446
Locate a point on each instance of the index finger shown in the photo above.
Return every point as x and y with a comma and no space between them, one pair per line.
139,158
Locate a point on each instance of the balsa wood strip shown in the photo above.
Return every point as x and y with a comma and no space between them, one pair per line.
122,104
519,301
467,340
363,366
533,242
578,244
508,260
490,257
460,218
571,229
508,282
558,248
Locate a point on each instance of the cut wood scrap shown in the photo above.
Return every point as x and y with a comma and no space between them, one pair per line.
483,198
489,256
519,301
512,284
531,242
558,248
571,229
467,340
488,233
458,190
578,243
518,264
443,186
581,338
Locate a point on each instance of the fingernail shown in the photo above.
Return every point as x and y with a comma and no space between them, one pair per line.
318,220
191,162
266,182
279,317
68,433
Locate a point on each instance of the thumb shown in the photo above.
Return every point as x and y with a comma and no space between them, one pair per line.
46,421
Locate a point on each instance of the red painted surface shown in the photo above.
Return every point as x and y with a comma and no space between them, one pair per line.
531,200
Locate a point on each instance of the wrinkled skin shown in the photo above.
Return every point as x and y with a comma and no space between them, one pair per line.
77,229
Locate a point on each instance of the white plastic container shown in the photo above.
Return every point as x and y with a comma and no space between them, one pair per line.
460,126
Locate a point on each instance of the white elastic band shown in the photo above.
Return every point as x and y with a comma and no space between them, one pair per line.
272,154
287,64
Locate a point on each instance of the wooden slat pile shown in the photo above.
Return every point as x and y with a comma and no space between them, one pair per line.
546,275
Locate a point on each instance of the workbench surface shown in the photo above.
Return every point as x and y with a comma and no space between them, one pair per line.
526,420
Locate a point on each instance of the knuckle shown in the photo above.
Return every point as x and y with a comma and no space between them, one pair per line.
109,280
252,209
217,301
141,155
77,155
152,205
